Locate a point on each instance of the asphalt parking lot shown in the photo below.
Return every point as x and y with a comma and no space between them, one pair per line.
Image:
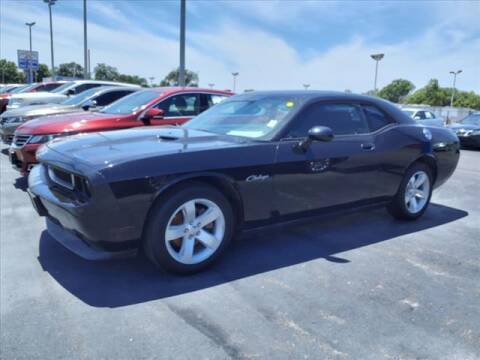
361,286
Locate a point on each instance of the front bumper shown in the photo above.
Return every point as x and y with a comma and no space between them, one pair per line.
472,140
23,158
78,227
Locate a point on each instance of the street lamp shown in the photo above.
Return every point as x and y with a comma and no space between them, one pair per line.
211,85
151,78
306,86
85,48
454,73
30,73
181,70
377,58
50,3
235,74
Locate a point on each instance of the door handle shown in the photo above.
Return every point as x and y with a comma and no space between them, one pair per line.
368,147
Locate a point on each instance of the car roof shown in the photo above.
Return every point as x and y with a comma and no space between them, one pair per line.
175,89
115,88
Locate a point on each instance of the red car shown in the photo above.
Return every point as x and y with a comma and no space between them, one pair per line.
37,87
156,106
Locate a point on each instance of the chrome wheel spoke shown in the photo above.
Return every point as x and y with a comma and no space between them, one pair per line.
208,217
174,232
420,180
186,251
419,194
207,239
189,212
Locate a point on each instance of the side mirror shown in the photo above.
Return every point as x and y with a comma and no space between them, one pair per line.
317,133
88,105
70,92
152,113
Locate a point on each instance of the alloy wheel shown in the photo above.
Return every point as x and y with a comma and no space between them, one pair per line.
195,231
417,192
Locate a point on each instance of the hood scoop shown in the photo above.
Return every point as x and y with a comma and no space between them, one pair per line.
162,137
172,134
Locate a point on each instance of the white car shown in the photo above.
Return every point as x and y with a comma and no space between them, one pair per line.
58,95
424,117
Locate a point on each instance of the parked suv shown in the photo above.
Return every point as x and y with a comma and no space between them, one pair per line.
58,95
156,106
93,99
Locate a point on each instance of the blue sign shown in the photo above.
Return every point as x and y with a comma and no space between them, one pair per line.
27,59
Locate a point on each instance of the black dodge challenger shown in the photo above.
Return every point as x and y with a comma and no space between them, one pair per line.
181,193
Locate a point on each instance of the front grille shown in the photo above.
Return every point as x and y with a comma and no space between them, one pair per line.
69,184
20,140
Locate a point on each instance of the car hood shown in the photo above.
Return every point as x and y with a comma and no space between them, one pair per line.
107,149
38,110
71,123
460,126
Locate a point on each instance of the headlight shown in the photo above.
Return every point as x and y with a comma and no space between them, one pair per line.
13,120
41,139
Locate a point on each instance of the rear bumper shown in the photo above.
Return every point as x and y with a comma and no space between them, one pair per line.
84,229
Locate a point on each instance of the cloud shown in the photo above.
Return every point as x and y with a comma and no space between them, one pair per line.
265,58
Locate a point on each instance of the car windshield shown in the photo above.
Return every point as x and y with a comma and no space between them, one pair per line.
472,119
63,87
131,103
21,89
80,98
253,117
409,112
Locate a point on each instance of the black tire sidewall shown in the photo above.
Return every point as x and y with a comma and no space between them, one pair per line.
154,237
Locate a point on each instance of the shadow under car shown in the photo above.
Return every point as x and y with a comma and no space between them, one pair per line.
130,281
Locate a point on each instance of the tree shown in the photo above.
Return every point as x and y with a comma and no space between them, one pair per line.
132,79
397,90
467,99
70,69
191,78
432,95
9,72
42,72
105,72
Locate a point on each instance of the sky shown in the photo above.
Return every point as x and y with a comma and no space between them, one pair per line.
277,44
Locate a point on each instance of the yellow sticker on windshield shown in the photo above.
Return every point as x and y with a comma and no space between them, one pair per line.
290,103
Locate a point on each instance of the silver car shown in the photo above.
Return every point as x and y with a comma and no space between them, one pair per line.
424,117
93,99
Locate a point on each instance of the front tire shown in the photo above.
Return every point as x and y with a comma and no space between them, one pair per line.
189,229
413,196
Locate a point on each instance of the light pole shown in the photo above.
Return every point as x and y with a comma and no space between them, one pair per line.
235,74
151,78
30,73
181,70
85,49
377,58
50,3
211,85
306,86
454,73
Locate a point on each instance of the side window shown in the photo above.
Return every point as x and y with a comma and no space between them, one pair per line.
343,119
108,98
181,105
49,87
82,87
209,100
420,115
429,115
376,119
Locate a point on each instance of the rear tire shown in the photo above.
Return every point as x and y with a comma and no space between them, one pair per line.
414,193
188,229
